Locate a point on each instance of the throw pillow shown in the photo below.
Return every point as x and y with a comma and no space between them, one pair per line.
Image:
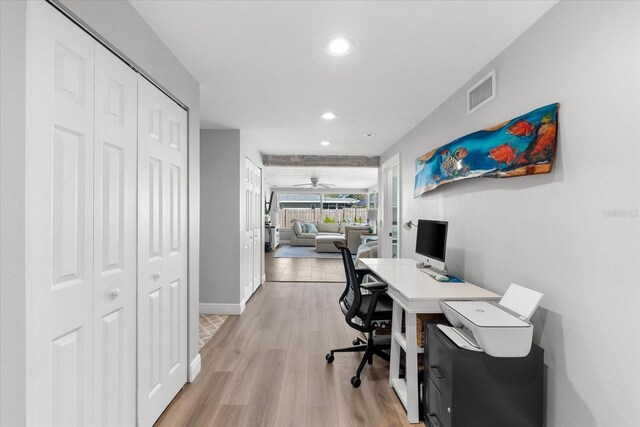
297,228
304,227
311,228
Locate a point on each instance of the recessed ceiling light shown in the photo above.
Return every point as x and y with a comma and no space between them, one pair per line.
370,135
329,115
325,143
339,46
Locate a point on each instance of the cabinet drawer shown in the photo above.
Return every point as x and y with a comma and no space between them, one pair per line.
437,412
440,364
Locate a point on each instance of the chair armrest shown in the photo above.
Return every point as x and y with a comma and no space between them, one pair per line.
361,273
374,286
376,289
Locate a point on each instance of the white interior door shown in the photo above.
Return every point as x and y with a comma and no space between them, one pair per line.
114,232
257,226
248,227
162,251
59,219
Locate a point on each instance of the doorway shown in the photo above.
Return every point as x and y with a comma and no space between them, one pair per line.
389,235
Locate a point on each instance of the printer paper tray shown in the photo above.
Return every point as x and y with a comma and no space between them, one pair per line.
458,339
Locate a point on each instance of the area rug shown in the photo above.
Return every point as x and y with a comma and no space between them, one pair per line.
209,325
288,251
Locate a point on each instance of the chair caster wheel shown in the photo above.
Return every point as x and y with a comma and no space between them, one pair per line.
355,382
355,342
329,358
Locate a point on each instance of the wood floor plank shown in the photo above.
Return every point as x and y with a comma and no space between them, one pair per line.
263,405
247,366
321,416
229,416
292,405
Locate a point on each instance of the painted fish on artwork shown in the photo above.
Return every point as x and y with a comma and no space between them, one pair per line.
542,149
521,128
503,154
461,153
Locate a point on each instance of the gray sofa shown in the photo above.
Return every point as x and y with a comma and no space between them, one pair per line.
350,233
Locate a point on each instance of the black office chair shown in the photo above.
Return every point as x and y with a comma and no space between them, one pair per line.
363,312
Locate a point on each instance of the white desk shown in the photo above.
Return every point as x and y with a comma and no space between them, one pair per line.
414,292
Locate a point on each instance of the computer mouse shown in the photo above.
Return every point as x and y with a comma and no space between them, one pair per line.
441,278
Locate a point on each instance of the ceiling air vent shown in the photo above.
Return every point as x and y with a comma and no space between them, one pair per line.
482,92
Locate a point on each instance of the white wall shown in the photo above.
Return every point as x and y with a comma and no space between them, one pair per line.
12,212
120,23
557,233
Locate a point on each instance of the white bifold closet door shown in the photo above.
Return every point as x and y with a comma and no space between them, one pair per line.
252,226
258,227
115,259
81,218
162,251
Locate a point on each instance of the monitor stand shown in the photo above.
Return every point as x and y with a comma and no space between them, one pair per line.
436,270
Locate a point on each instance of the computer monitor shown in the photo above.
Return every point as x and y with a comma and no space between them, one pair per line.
431,242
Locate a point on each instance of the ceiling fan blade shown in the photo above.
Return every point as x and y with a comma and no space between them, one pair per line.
302,185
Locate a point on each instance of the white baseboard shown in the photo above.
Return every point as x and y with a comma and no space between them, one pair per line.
194,368
264,278
212,308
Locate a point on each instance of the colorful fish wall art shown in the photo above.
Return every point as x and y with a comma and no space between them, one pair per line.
525,145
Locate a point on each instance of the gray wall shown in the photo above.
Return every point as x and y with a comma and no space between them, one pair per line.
557,233
12,213
222,165
120,23
220,251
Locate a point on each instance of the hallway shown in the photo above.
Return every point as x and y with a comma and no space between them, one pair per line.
267,368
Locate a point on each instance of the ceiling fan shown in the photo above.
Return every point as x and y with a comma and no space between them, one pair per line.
315,183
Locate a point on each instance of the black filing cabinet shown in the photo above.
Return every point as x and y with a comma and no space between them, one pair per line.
466,388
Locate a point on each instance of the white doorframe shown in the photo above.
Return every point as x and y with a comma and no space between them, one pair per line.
386,206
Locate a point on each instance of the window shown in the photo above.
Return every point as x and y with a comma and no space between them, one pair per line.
314,207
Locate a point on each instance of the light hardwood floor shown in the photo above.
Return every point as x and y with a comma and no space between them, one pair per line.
267,368
303,269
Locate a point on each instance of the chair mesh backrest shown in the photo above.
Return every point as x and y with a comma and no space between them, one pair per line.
351,297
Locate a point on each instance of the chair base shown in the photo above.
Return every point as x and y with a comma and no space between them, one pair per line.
375,345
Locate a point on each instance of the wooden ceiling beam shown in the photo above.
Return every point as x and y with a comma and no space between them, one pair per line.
332,161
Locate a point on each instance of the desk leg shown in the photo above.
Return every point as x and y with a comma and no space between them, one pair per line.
412,367
396,327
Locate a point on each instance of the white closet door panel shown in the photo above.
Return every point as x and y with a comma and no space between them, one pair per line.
59,221
115,216
252,225
247,267
162,251
257,226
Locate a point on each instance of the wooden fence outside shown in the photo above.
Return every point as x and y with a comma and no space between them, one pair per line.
320,215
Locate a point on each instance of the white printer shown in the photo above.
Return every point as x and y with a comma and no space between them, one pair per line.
500,330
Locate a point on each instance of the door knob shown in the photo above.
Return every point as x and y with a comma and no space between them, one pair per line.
156,275
114,292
